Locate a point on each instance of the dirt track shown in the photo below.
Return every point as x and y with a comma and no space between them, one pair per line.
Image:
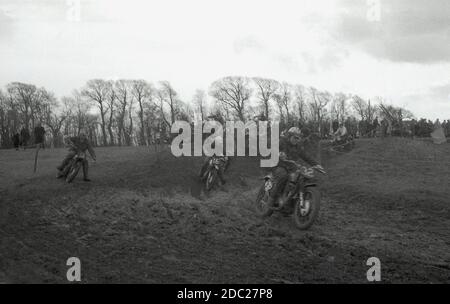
141,220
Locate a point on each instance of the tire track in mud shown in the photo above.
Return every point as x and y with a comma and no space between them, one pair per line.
143,222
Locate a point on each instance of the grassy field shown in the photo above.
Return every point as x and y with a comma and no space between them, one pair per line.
143,219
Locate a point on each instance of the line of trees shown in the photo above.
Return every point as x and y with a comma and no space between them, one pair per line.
136,112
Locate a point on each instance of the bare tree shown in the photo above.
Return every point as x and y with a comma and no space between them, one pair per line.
143,93
168,95
124,98
360,106
97,90
300,99
160,96
111,104
339,107
319,101
233,92
29,100
55,121
266,89
283,98
364,109
199,101
130,128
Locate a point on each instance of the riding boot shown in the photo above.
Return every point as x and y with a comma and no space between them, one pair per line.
86,171
70,154
272,203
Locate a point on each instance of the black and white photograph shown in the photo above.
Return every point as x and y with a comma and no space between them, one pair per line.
213,142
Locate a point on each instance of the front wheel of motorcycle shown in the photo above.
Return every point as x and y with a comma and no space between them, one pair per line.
306,213
261,203
210,179
73,172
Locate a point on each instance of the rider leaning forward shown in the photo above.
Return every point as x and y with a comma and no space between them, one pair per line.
290,150
77,144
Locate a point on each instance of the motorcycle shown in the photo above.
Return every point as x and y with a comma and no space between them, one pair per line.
210,175
300,198
74,166
346,143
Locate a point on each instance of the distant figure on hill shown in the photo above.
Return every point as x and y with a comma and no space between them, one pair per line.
16,141
39,135
335,125
24,137
341,132
375,126
438,134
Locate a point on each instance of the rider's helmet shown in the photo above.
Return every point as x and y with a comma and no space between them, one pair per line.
294,135
295,131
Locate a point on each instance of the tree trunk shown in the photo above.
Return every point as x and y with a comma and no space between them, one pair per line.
102,114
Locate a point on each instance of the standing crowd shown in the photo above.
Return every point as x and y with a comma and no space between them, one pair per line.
24,139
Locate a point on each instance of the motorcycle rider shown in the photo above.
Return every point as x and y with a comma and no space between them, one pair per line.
224,163
77,144
341,133
290,150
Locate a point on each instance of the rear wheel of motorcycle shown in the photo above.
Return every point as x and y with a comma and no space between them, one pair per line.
303,222
261,203
210,180
63,173
73,172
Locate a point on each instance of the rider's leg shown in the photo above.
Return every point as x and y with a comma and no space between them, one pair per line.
204,167
280,175
221,175
70,154
86,170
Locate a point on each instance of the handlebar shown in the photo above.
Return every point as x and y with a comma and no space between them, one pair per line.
317,168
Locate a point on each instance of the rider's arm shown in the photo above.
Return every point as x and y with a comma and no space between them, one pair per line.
91,151
306,157
70,142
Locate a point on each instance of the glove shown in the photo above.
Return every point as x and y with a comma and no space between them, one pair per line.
319,168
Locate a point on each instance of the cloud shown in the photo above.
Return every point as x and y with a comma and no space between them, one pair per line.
408,31
433,102
247,43
6,25
440,94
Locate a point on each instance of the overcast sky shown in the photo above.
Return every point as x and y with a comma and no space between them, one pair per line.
400,52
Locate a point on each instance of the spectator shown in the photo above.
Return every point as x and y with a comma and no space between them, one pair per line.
335,126
39,136
24,137
16,140
375,125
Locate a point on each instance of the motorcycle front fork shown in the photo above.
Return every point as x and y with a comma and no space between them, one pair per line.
288,195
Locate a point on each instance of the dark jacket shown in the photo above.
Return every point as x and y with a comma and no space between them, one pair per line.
16,139
80,145
25,134
39,133
295,153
